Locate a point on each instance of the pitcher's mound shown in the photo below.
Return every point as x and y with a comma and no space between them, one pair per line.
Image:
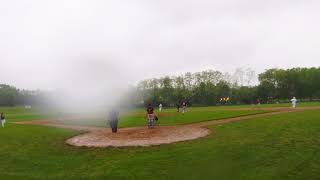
138,136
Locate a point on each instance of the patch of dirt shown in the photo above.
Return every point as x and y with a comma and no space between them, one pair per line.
142,136
139,136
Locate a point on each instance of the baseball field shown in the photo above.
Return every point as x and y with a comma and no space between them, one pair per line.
227,142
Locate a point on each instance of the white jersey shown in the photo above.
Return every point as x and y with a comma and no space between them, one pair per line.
294,102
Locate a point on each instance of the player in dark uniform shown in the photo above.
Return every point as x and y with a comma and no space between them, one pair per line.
150,116
114,118
178,106
184,107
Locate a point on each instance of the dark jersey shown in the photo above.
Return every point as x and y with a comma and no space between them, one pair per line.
150,110
114,115
2,117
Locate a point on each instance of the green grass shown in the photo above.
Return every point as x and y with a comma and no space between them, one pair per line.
170,117
19,113
136,118
167,117
275,147
302,104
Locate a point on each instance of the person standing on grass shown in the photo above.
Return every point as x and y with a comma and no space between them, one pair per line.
184,107
3,119
160,107
150,116
178,106
114,118
294,102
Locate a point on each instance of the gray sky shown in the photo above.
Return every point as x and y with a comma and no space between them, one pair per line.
105,43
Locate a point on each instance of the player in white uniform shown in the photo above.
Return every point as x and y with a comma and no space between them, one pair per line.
3,119
294,102
160,107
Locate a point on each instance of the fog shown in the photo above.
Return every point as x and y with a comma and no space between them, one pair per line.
92,50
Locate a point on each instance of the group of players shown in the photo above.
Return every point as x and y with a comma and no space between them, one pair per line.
152,118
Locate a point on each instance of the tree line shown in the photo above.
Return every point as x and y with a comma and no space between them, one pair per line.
303,83
216,88
11,96
203,88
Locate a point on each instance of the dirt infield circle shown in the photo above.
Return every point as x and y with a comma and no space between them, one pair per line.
142,136
138,137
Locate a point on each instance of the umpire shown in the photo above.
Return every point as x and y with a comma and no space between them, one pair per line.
113,119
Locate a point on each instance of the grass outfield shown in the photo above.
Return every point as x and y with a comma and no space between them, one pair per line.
194,115
302,104
275,147
19,113
136,117
166,117
169,117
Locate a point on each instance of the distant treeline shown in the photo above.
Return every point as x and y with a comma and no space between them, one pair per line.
11,96
203,88
215,88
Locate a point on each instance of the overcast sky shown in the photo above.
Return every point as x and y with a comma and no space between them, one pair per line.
76,43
